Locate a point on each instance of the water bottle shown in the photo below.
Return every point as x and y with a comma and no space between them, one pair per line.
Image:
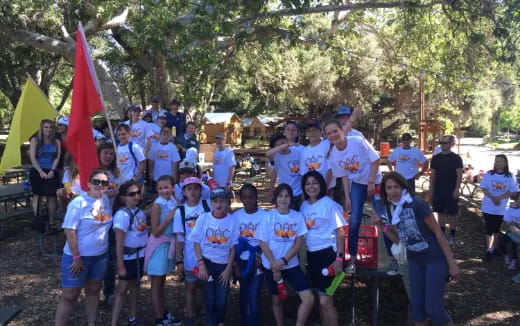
26,185
329,271
282,290
212,184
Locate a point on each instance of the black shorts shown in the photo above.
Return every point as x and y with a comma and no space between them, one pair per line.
444,203
493,223
316,261
132,268
44,187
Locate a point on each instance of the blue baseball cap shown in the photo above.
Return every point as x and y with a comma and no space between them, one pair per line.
344,110
312,123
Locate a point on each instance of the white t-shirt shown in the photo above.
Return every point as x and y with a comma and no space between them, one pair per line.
407,160
137,236
355,132
512,215
322,219
163,156
223,160
113,186
126,160
216,236
279,231
75,185
287,167
248,226
192,214
354,161
139,132
314,158
92,219
156,133
206,192
497,185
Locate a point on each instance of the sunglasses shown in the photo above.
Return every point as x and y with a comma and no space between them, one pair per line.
444,142
133,193
97,182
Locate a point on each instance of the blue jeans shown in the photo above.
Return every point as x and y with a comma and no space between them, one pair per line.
427,283
215,294
250,287
358,195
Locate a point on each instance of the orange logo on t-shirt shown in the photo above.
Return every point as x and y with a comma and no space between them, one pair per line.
498,185
217,236
101,214
294,166
217,160
248,230
310,220
313,163
350,164
404,157
162,155
123,158
141,227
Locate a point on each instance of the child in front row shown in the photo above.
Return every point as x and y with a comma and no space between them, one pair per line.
281,237
215,235
131,238
512,217
248,253
159,259
186,216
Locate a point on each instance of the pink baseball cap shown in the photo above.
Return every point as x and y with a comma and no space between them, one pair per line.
191,180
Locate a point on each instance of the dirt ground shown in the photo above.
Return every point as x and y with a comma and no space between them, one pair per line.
484,296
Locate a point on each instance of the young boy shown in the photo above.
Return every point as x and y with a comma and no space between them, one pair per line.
188,140
131,158
286,167
185,218
164,156
223,163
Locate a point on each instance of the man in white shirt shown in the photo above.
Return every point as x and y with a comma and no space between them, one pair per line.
406,159
223,163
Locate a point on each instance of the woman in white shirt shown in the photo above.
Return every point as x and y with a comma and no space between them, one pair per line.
325,240
85,255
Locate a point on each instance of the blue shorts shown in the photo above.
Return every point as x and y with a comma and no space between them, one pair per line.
294,276
95,267
189,277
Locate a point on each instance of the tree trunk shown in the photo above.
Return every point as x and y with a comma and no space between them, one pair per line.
494,123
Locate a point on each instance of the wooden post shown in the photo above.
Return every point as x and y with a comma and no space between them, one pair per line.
422,115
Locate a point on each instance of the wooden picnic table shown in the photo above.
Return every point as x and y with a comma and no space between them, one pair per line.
15,200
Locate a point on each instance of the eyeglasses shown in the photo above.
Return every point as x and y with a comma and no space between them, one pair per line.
97,182
444,142
133,193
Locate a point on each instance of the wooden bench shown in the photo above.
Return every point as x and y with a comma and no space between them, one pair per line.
14,201
8,314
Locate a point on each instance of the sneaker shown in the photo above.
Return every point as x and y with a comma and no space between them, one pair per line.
507,259
161,322
513,265
351,268
488,256
172,321
188,321
135,322
393,267
451,240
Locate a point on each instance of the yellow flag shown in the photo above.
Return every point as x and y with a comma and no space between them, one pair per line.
32,107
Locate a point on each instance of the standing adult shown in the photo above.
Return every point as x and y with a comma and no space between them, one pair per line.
177,119
155,109
223,163
356,162
188,140
85,255
445,179
140,130
430,260
44,152
406,159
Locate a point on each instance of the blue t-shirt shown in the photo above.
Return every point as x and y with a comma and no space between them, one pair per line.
415,233
178,121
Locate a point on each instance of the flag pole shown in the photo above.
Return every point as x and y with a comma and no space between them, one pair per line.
107,118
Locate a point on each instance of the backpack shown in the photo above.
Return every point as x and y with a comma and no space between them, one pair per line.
130,250
131,150
183,213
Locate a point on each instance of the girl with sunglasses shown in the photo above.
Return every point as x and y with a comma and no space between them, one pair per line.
131,239
86,225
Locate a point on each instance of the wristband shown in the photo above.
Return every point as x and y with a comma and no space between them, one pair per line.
339,259
76,257
201,262
122,267
285,260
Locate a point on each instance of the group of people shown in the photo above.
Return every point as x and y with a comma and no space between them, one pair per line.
317,190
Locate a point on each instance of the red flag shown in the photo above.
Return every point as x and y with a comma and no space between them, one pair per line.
86,101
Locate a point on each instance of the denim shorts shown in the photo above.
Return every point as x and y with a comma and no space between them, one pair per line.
294,276
189,277
95,267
